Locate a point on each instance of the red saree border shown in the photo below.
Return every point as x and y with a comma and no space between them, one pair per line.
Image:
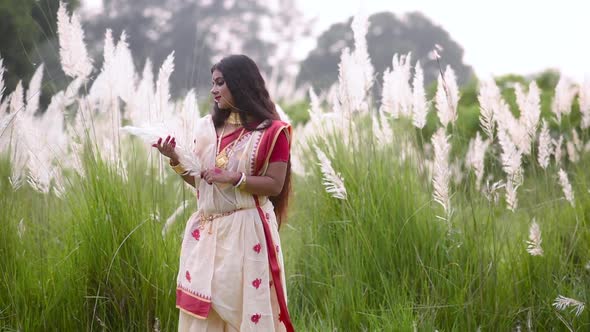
275,270
192,304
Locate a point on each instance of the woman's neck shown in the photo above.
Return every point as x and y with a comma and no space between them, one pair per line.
234,119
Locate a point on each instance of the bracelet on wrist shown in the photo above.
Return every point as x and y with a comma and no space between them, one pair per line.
178,168
242,184
241,180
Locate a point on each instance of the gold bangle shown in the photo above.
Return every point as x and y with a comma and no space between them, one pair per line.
179,169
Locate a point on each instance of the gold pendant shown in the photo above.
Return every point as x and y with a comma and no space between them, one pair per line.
222,159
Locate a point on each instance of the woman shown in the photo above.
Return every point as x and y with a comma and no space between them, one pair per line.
231,274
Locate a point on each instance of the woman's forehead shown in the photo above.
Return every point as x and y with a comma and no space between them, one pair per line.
216,74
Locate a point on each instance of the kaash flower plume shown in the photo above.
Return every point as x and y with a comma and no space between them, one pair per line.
568,192
561,303
511,155
545,146
534,242
124,69
397,93
163,88
333,182
442,174
17,99
74,58
355,70
34,91
511,193
382,130
563,99
489,99
420,105
143,109
530,107
360,27
5,121
315,111
447,97
475,157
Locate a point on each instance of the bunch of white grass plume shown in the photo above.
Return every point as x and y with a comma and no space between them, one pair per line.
397,94
315,110
511,158
561,303
563,99
545,147
382,130
74,58
419,103
447,97
568,192
530,108
489,101
475,158
355,70
441,174
511,193
332,181
534,242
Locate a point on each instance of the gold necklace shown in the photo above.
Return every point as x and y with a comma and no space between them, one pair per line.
234,119
222,157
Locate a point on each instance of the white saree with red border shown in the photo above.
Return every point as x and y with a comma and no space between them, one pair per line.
231,258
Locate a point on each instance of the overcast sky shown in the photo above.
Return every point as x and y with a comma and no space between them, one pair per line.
500,36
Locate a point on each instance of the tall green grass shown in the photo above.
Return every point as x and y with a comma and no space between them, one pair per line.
95,259
381,260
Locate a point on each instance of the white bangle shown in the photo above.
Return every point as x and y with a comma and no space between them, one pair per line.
242,178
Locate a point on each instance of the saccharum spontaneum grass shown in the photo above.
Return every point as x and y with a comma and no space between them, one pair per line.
83,209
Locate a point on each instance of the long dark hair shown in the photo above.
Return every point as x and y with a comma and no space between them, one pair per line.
252,101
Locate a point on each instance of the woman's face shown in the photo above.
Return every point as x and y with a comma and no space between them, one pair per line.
220,91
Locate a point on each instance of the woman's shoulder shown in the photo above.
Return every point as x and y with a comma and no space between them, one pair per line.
278,124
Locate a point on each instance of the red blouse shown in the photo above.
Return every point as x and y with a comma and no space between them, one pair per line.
280,152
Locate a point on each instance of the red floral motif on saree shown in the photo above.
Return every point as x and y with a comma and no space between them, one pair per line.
255,318
188,276
256,283
257,248
196,234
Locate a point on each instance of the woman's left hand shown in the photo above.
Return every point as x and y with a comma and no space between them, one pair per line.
218,175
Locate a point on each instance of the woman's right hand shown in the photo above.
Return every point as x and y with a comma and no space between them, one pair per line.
167,147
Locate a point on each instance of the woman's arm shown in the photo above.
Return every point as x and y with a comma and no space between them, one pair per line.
271,184
167,149
187,178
